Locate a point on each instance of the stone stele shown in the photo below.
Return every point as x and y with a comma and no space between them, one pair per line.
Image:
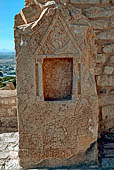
56,89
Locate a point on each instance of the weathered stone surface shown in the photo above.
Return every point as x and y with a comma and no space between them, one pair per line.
106,35
112,59
106,100
19,20
100,58
105,1
108,48
10,161
7,93
8,111
40,38
98,70
99,12
99,24
108,124
112,21
105,80
9,151
85,1
108,112
108,70
50,81
57,101
31,13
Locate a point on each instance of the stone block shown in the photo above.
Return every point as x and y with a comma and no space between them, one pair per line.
8,111
3,112
7,93
51,71
12,123
108,124
105,1
106,100
99,24
8,101
101,58
98,70
12,111
108,48
3,122
106,35
112,21
112,59
108,70
94,12
85,1
105,80
108,112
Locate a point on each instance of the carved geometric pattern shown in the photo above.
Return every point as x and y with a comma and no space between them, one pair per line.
58,39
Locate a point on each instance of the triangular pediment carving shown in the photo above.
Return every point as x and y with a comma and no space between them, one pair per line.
58,39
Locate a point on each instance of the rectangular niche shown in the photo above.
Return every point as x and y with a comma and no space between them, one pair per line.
57,79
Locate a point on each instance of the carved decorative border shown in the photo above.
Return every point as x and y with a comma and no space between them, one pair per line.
76,89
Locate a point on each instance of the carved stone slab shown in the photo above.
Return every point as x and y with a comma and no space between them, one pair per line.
56,90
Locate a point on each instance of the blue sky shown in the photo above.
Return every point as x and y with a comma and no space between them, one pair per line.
8,9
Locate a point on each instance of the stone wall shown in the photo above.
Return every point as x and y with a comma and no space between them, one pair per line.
8,111
101,16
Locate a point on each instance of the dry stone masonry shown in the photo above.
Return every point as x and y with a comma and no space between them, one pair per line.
65,80
8,111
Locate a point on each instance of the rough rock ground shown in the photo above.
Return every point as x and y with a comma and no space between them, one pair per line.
9,151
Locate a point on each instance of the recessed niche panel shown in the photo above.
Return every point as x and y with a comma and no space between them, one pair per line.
57,78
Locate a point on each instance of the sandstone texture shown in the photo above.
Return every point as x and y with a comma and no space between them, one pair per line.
57,101
56,91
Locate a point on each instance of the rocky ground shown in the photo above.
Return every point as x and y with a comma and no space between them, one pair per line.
9,151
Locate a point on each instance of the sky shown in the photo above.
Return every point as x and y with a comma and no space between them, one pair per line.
8,9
